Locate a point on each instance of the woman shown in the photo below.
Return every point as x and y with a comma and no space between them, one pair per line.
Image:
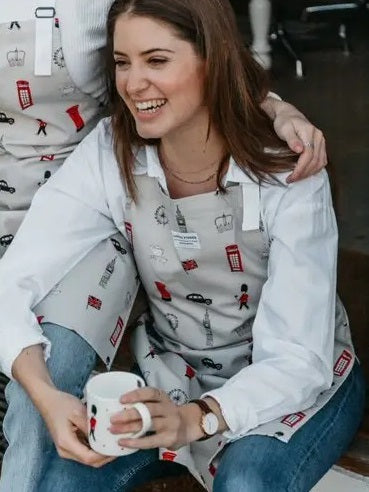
46,109
189,107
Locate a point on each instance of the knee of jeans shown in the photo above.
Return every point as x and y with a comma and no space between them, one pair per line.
71,359
244,479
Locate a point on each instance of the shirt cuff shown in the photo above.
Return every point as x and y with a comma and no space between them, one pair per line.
7,362
240,418
274,96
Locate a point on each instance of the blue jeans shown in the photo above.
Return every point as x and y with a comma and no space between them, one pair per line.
253,463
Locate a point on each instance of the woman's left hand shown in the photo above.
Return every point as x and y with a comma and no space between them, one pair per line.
173,425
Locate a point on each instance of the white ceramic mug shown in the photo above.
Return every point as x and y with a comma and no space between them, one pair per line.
103,393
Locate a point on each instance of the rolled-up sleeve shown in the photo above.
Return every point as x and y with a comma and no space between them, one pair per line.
294,327
68,217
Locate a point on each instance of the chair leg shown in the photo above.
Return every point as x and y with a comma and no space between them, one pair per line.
342,33
282,36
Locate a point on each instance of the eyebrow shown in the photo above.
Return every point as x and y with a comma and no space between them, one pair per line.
147,52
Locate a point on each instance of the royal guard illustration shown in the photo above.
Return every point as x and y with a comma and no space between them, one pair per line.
224,223
190,372
47,157
14,24
151,353
165,294
93,422
94,302
16,58
41,127
293,419
181,222
47,175
206,324
243,298
76,117
343,363
24,94
117,332
234,258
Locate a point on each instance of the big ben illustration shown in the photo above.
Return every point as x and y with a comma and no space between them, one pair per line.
181,221
206,324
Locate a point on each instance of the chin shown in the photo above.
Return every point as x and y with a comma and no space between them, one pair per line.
149,133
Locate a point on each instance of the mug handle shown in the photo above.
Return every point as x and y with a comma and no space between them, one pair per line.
146,419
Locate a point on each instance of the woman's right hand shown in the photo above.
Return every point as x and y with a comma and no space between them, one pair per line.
65,416
66,419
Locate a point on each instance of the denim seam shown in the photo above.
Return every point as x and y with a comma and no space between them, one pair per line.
132,473
322,436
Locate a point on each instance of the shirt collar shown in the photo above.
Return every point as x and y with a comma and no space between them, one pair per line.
148,162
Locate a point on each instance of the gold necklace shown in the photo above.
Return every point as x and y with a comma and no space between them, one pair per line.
175,175
209,178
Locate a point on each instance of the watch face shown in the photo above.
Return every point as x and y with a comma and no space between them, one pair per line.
210,423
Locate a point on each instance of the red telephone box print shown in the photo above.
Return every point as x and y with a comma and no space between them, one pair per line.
293,419
24,94
342,363
117,332
234,258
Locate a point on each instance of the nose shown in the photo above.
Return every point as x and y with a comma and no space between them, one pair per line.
136,80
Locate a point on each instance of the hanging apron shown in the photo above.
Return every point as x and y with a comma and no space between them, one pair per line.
43,116
203,264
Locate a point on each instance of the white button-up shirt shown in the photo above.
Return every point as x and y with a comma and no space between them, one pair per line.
294,329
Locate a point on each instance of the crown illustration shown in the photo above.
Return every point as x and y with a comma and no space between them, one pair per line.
224,223
16,58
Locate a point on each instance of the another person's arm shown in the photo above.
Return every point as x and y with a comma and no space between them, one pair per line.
301,136
68,217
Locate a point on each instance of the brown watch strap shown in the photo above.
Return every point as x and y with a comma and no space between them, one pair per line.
205,409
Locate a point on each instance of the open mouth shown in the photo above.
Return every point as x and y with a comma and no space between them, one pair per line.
151,106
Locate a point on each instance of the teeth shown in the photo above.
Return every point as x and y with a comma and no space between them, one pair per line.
151,106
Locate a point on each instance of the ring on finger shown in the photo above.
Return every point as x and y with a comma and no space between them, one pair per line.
309,144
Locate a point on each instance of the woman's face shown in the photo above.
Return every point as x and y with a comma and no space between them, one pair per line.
159,76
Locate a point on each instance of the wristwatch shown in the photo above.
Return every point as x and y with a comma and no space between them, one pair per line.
209,422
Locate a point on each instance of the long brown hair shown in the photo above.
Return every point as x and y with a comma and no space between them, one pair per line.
234,88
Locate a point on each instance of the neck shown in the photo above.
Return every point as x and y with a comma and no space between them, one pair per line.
192,149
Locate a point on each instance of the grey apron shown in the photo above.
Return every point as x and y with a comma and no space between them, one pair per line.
203,275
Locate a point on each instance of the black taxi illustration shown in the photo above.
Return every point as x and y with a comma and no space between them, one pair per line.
211,364
5,187
199,298
118,246
6,119
6,240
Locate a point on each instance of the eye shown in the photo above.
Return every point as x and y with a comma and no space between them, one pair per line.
121,64
155,61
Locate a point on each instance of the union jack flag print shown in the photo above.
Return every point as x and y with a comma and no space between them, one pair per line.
94,302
